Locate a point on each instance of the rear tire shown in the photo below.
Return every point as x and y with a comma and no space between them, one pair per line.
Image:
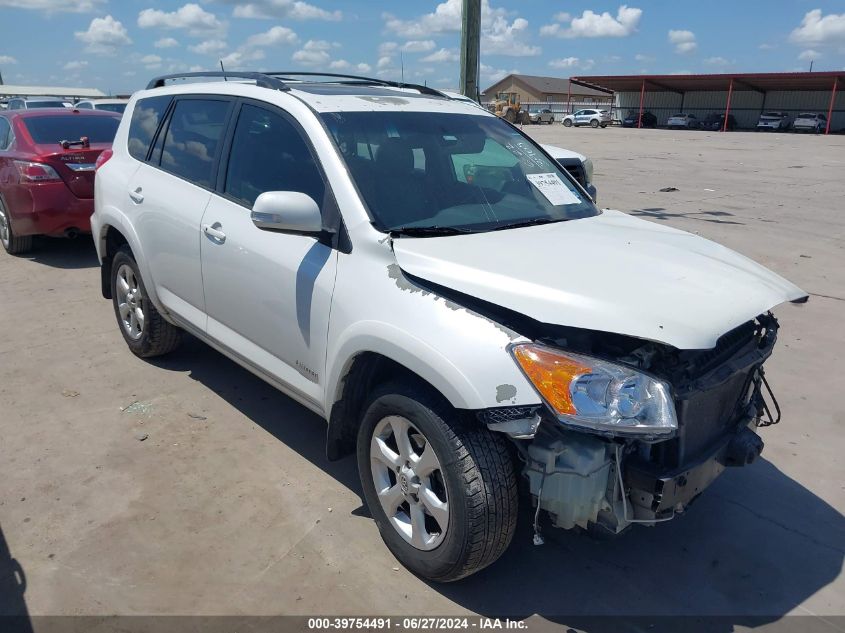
13,244
407,427
594,124
510,116
143,328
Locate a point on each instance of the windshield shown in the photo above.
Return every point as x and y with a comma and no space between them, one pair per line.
111,107
452,172
44,104
45,130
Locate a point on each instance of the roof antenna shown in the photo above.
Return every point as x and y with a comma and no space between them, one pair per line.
223,70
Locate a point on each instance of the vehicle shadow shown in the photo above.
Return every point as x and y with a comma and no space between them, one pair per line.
14,616
64,253
263,404
755,546
659,213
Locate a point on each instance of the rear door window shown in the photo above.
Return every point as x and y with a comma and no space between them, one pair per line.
146,118
193,137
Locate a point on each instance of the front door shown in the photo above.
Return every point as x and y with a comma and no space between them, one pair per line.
267,293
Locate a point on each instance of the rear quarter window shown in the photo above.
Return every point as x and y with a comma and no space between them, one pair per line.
146,118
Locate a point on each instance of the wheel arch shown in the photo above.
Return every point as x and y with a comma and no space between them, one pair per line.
113,233
363,371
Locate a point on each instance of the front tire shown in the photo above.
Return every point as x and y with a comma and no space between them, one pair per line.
144,329
13,244
567,123
441,488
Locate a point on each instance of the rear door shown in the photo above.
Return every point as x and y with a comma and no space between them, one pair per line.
170,191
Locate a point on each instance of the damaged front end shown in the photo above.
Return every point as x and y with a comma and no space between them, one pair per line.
605,478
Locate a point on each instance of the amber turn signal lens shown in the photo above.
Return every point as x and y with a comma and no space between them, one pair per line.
551,374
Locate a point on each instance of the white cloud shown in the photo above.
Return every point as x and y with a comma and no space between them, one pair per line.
251,50
387,48
7,59
508,38
441,56
314,53
282,10
239,59
492,74
816,28
75,65
809,55
151,62
342,64
565,62
384,62
766,47
418,46
684,41
643,58
276,36
209,47
499,36
166,42
592,24
52,6
191,17
104,35
717,61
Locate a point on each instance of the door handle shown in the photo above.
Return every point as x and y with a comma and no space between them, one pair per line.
137,196
213,231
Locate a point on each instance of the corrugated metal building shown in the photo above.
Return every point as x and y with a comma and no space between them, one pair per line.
745,95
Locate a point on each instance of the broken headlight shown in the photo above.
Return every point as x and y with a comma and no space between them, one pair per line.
598,395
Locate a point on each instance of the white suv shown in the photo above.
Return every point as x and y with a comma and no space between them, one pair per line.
593,118
430,281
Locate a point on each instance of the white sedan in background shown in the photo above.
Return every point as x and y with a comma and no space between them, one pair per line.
688,121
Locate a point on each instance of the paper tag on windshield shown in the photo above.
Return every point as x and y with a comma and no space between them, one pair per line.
553,188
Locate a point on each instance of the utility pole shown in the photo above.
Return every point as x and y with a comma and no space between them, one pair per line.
470,45
1,79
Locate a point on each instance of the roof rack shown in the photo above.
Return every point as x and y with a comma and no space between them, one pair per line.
261,79
276,80
358,79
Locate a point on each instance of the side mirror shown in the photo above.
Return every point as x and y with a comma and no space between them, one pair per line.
288,211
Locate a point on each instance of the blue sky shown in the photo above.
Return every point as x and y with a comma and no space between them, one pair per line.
118,45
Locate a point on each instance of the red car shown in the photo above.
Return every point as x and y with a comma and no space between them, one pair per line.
47,160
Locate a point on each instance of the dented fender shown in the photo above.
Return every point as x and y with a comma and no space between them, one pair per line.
461,353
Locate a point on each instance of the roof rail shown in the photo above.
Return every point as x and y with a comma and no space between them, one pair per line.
262,80
358,79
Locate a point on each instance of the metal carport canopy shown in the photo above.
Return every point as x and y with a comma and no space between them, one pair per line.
760,82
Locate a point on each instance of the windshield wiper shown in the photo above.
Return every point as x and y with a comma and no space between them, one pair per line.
429,231
532,222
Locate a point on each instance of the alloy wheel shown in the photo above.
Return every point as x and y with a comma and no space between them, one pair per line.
409,482
130,302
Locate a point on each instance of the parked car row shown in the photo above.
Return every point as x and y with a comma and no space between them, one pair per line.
773,121
32,103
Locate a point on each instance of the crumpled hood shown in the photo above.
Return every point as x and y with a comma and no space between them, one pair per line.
612,273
